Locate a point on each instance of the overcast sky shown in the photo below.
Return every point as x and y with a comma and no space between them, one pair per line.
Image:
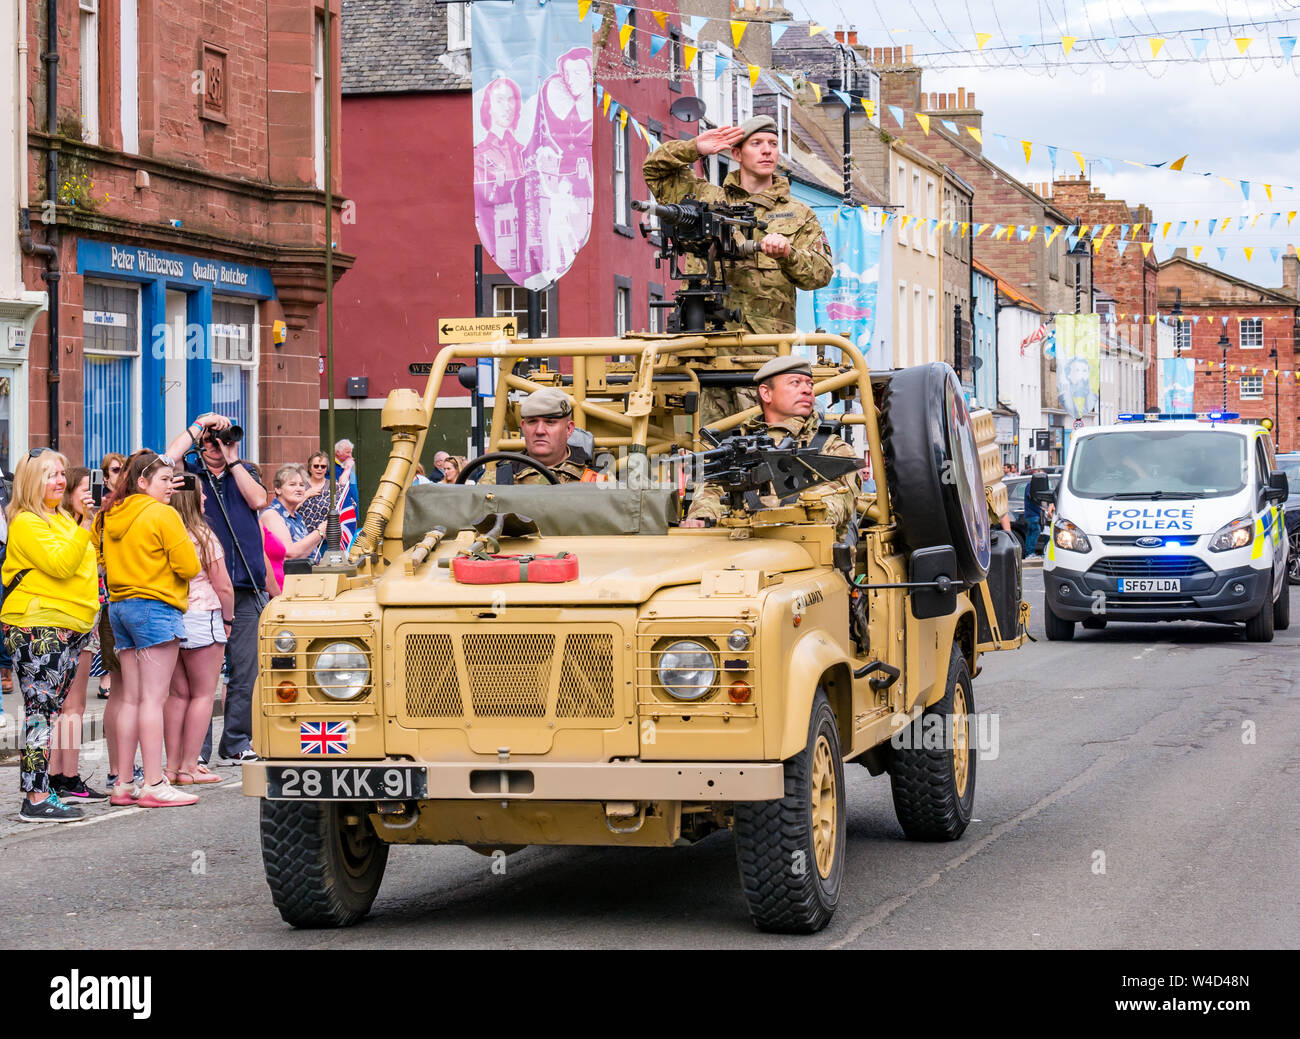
1232,115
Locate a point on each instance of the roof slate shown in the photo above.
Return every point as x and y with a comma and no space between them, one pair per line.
398,46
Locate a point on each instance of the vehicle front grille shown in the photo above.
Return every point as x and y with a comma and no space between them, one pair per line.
1131,540
510,675
1149,566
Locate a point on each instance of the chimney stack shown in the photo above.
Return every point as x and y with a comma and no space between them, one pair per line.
1291,271
839,34
961,97
909,54
853,37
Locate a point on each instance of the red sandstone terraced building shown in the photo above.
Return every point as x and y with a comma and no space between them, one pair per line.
173,210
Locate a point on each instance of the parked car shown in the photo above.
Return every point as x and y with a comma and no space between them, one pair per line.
1289,463
1016,498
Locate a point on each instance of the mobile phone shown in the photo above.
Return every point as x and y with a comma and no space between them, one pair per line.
97,486
188,482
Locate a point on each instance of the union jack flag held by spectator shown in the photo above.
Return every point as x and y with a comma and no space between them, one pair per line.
323,737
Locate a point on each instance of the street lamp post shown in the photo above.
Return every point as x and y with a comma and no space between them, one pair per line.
1223,345
1277,423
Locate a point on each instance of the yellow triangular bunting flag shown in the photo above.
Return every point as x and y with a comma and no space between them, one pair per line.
869,107
1029,147
1196,252
1146,248
902,226
1268,190
737,31
1249,251
1243,43
660,17
1109,229
982,38
1177,164
975,132
1151,319
688,54
817,91
754,70
604,105
1156,43
1055,231
622,117
583,7
1290,216
1033,230
924,120
814,29
1067,44
625,34
1164,228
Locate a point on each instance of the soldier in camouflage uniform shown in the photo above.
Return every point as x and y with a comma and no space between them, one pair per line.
785,391
547,423
794,251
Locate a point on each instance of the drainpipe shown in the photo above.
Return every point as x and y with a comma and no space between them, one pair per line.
50,248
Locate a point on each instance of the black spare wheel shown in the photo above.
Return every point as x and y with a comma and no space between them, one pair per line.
936,487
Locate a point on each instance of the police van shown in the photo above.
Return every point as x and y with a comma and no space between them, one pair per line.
1167,518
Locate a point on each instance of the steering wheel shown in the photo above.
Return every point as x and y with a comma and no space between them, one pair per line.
476,464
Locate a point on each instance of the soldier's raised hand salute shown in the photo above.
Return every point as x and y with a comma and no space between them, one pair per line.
721,139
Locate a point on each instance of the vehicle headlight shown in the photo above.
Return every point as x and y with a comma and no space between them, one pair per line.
1069,537
687,670
341,670
1237,534
738,640
286,642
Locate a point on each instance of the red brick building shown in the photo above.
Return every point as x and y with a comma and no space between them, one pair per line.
174,209
1262,330
408,169
1130,273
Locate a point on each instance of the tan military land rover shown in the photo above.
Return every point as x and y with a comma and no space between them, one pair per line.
500,665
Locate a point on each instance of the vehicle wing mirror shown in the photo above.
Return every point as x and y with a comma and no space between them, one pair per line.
1040,489
936,567
1278,487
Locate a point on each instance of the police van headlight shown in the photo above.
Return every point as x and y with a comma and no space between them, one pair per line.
1069,537
1237,534
687,670
341,671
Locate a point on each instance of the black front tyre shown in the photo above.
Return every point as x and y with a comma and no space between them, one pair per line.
1058,629
1282,608
791,852
322,871
932,763
1259,628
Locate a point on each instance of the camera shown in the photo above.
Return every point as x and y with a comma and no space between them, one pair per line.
229,435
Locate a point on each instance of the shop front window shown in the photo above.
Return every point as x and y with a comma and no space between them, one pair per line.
111,359
234,368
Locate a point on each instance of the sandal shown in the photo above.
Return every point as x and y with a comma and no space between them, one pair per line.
103,693
172,776
196,778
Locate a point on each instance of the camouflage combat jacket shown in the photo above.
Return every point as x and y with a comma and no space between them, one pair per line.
709,503
571,470
762,288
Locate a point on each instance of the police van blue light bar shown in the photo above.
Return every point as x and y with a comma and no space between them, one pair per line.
1171,416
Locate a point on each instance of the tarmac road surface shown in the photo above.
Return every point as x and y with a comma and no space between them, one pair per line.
1143,794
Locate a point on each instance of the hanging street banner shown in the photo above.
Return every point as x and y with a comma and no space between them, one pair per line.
847,306
1177,377
1078,363
532,109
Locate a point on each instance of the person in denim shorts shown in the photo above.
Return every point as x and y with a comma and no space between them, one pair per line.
149,561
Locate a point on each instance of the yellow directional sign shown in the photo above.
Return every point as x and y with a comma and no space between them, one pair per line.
475,329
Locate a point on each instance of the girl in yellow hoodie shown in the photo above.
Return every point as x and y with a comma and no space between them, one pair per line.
148,562
49,608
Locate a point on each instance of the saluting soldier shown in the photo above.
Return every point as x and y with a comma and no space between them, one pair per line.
794,251
785,392
547,424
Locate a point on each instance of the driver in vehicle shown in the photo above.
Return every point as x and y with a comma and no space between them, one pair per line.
785,392
547,424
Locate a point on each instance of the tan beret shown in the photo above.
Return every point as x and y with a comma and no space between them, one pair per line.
546,403
758,124
780,365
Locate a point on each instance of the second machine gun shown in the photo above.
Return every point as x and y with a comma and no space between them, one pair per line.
744,465
709,231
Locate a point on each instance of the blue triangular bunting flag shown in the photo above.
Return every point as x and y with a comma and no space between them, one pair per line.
1288,46
951,127
1198,45
777,32
621,12
897,113
657,44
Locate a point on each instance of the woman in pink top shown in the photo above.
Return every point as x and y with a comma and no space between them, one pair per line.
275,553
187,713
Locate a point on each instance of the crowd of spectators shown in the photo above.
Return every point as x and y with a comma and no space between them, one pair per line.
153,584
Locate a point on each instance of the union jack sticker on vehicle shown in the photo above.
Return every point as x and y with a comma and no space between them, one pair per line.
324,738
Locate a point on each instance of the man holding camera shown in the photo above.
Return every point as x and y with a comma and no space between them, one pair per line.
233,497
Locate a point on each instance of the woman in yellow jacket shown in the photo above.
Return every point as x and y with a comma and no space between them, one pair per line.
148,562
50,600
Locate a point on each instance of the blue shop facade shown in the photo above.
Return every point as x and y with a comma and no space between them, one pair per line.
167,336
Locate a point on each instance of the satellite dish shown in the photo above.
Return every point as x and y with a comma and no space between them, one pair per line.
687,109
976,363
